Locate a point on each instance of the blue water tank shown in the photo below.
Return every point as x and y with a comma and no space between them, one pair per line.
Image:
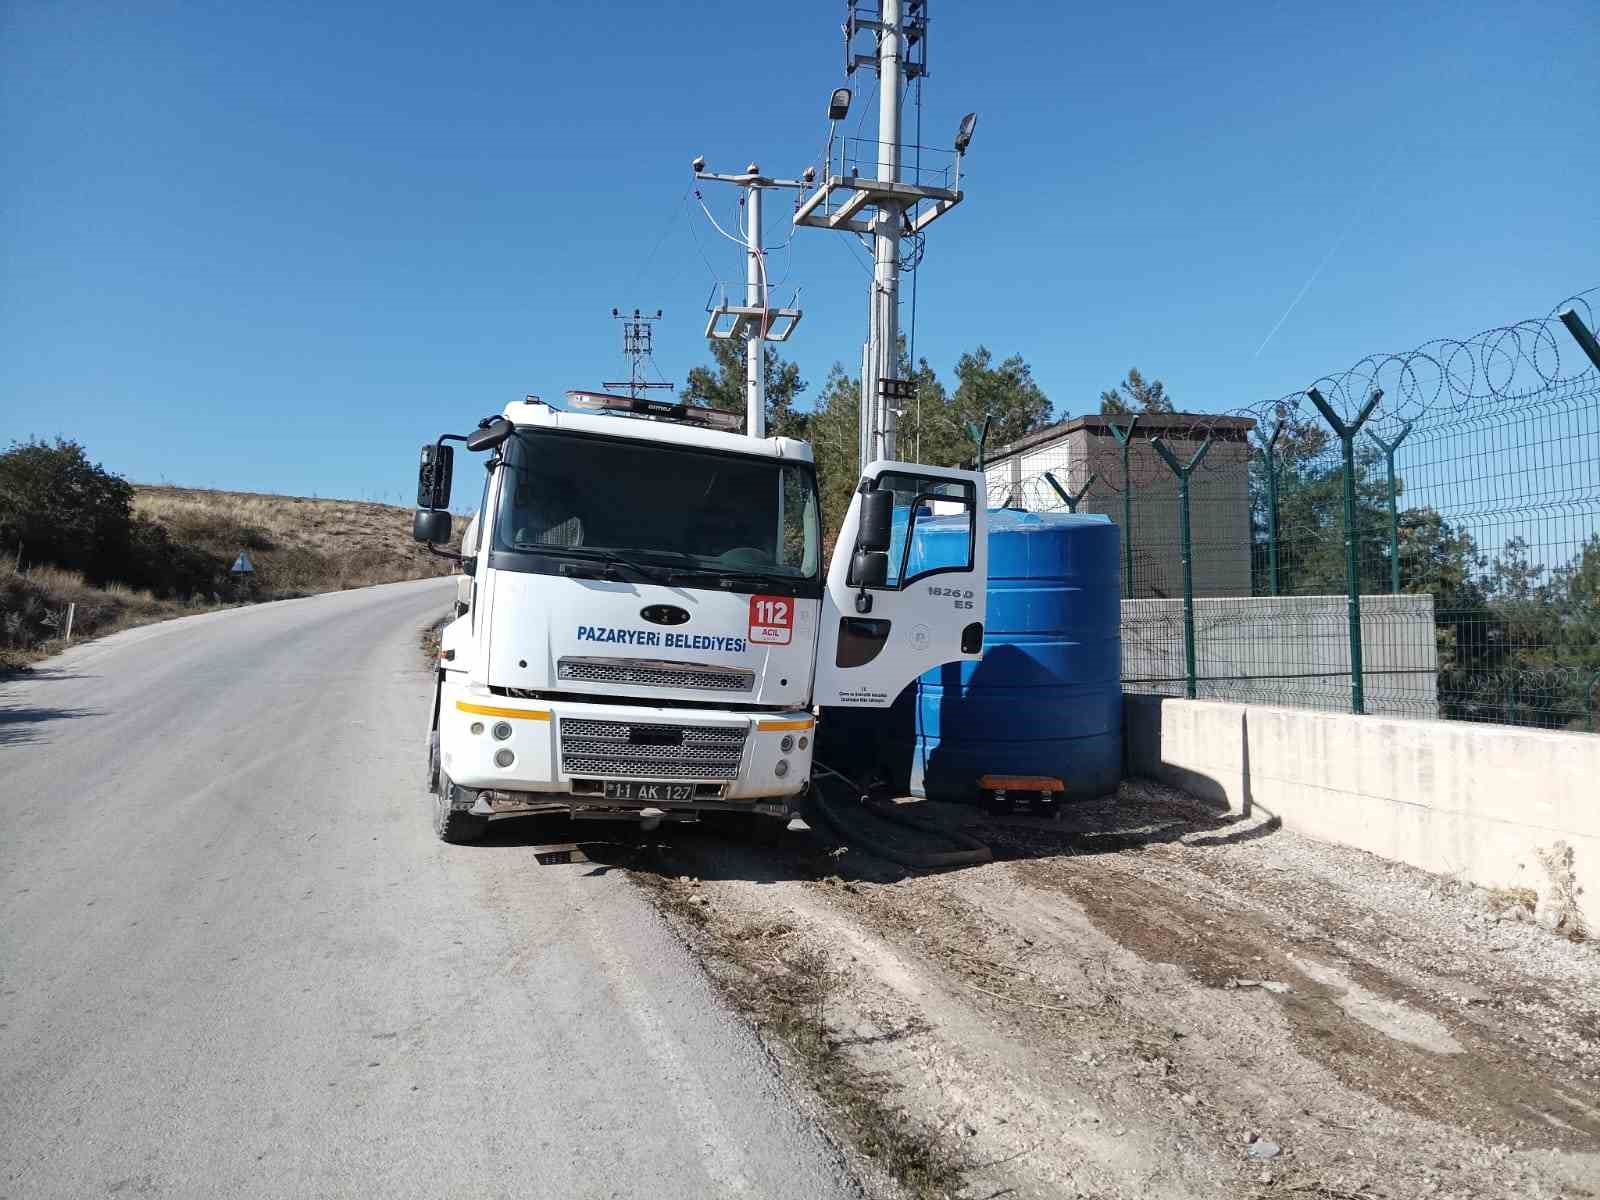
1046,698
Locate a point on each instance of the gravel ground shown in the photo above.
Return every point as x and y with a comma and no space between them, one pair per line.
1145,998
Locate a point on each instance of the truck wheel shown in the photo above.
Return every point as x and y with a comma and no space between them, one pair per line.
433,763
449,822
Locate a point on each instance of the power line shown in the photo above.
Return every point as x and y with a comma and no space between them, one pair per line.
698,248
666,228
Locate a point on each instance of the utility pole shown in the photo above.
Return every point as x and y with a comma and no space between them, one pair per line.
636,345
755,288
755,320
885,331
900,208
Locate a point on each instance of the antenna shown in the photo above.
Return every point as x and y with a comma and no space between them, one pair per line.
636,344
886,207
755,320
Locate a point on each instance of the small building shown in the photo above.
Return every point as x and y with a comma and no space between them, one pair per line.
1081,447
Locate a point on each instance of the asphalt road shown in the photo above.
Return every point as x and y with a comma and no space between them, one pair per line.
235,962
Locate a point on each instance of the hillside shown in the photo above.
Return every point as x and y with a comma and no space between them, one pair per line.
298,546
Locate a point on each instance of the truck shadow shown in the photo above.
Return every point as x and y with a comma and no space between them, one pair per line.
22,725
1138,816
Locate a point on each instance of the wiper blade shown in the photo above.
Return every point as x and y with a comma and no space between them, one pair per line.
725,575
610,557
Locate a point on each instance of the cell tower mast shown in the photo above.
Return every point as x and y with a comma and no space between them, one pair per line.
899,208
636,344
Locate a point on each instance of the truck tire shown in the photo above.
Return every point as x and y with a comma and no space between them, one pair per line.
449,821
434,772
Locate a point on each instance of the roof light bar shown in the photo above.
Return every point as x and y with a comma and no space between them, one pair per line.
668,410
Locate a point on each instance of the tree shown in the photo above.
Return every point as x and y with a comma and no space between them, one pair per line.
1134,395
835,433
58,507
721,385
1005,392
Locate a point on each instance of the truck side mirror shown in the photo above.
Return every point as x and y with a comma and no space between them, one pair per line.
877,518
869,569
433,476
490,435
431,525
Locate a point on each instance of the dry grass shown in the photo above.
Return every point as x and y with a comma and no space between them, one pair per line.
299,546
33,611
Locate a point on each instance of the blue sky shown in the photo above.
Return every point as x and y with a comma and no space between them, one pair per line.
278,246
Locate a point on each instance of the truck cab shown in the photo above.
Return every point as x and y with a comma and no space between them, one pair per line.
646,628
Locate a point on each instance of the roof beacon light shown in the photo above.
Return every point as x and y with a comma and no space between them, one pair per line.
664,410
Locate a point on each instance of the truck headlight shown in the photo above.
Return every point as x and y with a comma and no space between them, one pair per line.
504,758
782,768
501,731
787,744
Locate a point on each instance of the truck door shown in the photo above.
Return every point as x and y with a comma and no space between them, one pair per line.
890,614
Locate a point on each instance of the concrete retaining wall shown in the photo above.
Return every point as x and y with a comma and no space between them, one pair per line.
1475,801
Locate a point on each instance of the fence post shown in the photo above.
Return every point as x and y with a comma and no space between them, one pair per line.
1124,436
1182,471
1580,333
72,611
1272,509
1352,573
1067,497
1394,517
981,437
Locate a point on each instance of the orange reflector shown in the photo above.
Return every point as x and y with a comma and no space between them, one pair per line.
780,726
526,714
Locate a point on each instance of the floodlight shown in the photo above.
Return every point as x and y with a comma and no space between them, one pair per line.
752,169
964,134
839,104
809,175
699,163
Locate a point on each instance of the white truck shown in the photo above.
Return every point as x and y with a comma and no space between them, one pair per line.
648,630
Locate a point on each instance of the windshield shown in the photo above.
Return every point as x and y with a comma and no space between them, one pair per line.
658,503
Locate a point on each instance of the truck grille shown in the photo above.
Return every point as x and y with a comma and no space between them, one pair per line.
656,673
646,750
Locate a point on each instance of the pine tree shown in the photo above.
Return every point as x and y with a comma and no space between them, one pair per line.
1134,395
721,385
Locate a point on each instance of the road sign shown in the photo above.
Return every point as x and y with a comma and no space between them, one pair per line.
242,565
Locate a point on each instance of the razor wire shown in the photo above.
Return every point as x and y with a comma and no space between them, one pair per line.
1446,565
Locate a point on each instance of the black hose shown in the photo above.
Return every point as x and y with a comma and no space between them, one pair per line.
978,852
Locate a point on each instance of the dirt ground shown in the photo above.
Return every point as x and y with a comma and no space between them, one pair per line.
1147,999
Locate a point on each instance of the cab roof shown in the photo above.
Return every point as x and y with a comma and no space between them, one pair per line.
538,415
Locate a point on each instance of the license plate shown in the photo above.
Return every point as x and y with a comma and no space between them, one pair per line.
648,791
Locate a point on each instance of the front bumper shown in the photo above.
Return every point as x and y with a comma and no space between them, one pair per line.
522,750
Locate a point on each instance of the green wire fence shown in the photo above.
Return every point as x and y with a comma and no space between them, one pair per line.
1416,536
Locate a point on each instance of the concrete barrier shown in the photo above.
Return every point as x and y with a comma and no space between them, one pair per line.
1479,802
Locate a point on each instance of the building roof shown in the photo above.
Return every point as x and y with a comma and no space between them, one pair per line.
1222,429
